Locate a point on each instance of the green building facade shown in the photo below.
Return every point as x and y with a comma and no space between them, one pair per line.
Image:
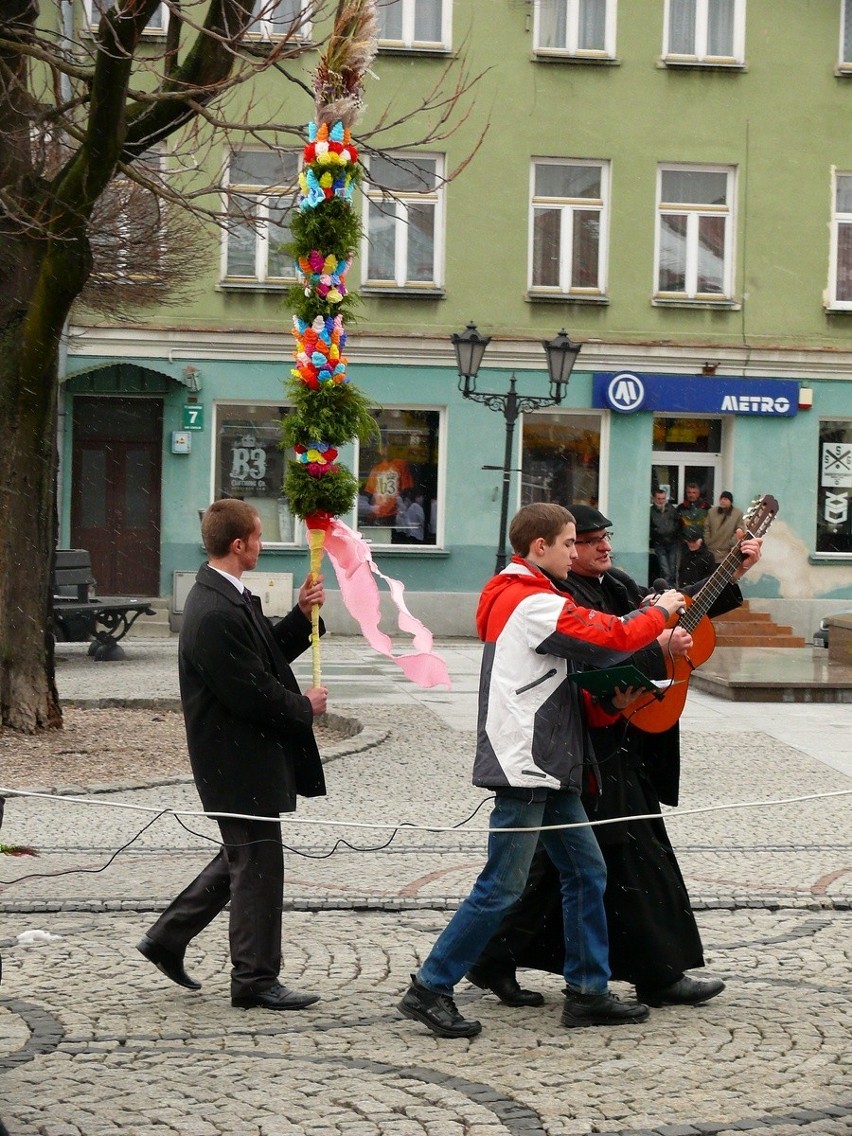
670,181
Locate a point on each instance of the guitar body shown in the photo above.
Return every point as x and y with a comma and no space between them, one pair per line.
661,714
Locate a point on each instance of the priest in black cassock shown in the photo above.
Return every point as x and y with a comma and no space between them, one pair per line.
653,936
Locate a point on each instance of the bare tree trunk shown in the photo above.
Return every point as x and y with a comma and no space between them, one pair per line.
28,696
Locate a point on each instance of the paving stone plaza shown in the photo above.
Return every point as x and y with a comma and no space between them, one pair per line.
94,1041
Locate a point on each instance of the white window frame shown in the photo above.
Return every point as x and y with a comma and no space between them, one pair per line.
399,199
567,207
845,57
262,27
262,194
95,8
407,40
699,55
693,213
571,46
838,219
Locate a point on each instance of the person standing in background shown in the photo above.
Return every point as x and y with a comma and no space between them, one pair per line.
665,535
720,527
696,561
693,508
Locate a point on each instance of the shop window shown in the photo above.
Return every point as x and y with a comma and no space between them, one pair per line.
403,223
560,459
834,487
568,227
577,28
260,192
414,23
704,31
399,497
250,465
841,244
694,233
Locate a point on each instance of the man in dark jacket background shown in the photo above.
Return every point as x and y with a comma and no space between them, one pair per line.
252,749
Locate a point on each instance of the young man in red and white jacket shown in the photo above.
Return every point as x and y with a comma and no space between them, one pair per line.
531,750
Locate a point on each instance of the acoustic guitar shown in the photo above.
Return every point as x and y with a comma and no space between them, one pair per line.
662,710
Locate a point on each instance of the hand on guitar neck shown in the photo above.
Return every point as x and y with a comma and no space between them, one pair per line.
689,638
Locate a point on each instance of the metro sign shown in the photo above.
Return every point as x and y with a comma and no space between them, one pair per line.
627,392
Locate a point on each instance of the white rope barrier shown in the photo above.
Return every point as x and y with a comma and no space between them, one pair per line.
412,827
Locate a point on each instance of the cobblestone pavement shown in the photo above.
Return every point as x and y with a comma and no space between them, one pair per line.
94,1041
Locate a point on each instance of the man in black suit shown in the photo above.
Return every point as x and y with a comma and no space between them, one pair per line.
251,745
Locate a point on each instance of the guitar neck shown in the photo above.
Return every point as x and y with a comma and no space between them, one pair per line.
707,596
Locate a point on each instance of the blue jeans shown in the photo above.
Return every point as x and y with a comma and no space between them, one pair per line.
582,875
666,555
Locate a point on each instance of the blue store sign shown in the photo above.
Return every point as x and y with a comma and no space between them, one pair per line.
627,392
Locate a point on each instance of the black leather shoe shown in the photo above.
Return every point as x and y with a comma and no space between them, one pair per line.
504,984
685,991
438,1012
600,1010
168,962
276,997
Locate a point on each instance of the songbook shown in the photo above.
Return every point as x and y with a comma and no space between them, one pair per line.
604,683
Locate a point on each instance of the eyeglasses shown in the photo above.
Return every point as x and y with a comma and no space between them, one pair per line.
607,536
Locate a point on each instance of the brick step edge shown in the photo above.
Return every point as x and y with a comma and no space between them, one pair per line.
725,640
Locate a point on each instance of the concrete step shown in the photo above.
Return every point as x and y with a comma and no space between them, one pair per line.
744,614
153,626
746,628
779,640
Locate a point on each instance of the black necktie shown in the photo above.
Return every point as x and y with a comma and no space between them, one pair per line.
247,598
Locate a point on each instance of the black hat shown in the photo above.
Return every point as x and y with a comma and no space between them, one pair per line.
588,519
691,533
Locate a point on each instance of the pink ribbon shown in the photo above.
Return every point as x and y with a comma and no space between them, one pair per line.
353,564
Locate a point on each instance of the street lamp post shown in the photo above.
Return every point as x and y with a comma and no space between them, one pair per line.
561,356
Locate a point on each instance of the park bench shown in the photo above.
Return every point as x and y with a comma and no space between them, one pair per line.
79,615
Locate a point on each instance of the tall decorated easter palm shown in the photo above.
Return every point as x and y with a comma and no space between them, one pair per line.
329,410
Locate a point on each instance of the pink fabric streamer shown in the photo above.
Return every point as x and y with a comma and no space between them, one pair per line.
353,564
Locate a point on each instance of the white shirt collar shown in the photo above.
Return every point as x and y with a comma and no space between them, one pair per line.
238,584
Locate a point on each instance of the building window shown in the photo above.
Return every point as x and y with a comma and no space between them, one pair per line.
834,492
694,233
568,227
561,458
403,225
278,18
96,8
584,28
260,192
841,244
414,24
399,495
846,34
127,230
250,465
704,31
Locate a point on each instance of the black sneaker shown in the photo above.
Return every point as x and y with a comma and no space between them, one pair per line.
600,1010
437,1012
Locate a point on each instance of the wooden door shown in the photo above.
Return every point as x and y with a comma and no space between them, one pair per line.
115,491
